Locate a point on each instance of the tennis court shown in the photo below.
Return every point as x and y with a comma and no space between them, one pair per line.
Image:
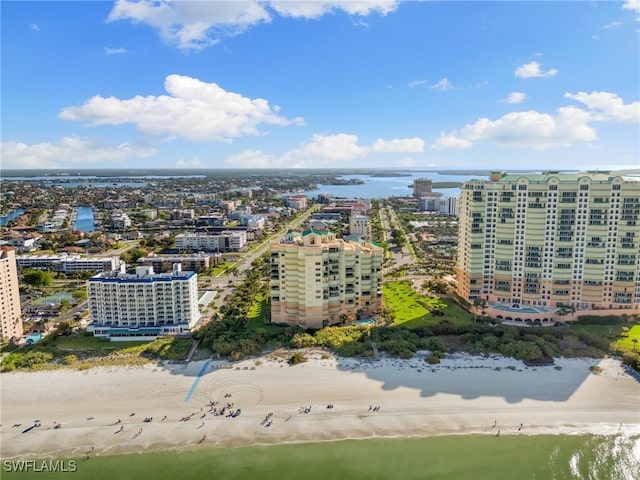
54,299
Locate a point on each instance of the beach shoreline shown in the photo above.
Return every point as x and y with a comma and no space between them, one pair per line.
465,394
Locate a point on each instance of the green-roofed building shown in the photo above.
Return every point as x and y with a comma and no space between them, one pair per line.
529,243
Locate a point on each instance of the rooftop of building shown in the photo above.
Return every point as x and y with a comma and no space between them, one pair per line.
313,230
142,275
544,177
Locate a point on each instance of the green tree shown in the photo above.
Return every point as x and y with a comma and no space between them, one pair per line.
79,295
565,309
37,278
479,304
65,306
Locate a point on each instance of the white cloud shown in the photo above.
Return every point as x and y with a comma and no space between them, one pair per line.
35,27
418,83
515,97
398,145
633,5
316,9
191,25
528,129
115,51
452,140
324,150
540,131
533,70
195,25
611,25
74,150
606,106
443,85
193,110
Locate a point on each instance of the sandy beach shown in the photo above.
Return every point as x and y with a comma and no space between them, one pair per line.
102,410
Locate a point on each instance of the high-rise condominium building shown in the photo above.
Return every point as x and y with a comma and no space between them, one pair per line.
547,239
318,280
10,313
145,304
422,187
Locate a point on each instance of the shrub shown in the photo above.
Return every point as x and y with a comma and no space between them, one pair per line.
632,359
32,359
432,359
303,340
431,344
69,359
296,358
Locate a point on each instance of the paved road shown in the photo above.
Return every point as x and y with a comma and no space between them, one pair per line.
243,262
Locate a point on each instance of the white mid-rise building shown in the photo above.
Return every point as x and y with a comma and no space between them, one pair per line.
69,263
227,241
299,202
143,305
120,221
449,206
360,225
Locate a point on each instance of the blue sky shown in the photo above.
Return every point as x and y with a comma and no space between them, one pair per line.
210,84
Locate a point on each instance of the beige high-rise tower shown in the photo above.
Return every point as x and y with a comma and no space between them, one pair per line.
10,313
422,187
531,242
317,279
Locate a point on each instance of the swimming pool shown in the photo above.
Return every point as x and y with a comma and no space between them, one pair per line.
521,309
366,321
34,338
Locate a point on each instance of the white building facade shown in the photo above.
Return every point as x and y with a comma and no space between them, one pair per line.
229,241
69,263
360,225
143,305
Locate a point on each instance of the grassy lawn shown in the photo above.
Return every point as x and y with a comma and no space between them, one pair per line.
221,268
164,347
406,309
610,332
89,342
626,342
258,316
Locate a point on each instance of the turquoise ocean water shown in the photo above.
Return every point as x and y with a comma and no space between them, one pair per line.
477,457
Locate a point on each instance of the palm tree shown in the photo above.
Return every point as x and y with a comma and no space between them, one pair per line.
478,303
565,309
